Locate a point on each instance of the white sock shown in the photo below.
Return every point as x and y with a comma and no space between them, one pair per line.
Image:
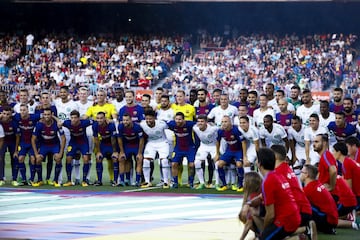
165,170
217,179
76,168
89,172
146,170
247,169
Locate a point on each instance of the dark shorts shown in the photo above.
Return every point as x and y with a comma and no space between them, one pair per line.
343,211
322,224
274,232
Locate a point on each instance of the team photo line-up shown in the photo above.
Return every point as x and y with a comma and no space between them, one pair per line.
265,145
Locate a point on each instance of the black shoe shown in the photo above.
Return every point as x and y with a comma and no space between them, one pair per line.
98,183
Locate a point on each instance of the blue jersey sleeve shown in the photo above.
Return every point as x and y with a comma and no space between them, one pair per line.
37,129
95,128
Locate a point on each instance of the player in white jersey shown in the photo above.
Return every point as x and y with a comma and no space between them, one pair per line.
307,108
24,99
325,116
224,109
262,111
272,133
65,106
297,144
310,133
251,135
243,110
156,143
83,104
207,135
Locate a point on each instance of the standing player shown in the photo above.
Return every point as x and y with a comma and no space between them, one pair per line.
26,123
339,130
45,103
131,144
204,107
251,135
307,108
337,104
132,108
272,133
45,142
78,142
252,100
224,109
207,135
24,99
312,157
166,113
297,144
262,111
64,106
284,116
184,147
235,150
10,130
83,105
351,115
189,115
110,113
104,134
156,144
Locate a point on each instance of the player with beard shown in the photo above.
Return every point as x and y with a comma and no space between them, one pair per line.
243,95
45,142
10,131
311,156
64,106
252,102
131,144
339,130
294,98
204,107
351,115
307,108
337,105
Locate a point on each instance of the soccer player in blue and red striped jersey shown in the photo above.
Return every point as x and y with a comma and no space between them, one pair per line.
45,142
131,144
184,147
10,131
105,141
204,107
26,123
78,142
235,151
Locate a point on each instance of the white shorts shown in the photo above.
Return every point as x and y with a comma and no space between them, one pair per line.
203,151
151,148
314,157
251,154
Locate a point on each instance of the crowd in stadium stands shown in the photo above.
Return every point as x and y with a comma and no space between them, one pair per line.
315,61
221,109
52,62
